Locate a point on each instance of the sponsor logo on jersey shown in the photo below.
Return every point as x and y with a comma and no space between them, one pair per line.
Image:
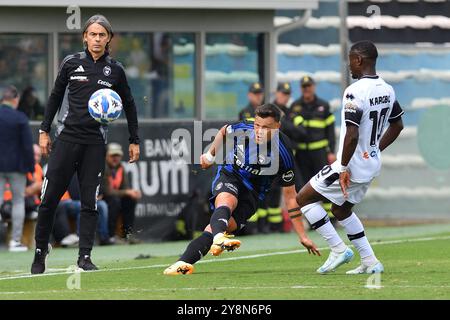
107,70
219,186
245,167
104,83
379,100
349,96
232,187
321,109
288,176
79,69
372,154
79,78
240,152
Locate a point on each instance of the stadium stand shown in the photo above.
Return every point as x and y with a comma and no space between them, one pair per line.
419,72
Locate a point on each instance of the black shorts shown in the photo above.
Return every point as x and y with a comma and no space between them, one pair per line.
247,199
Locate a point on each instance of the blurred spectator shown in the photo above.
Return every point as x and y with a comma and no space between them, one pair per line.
255,98
32,191
103,222
118,195
282,97
34,186
30,104
62,232
161,61
137,57
16,160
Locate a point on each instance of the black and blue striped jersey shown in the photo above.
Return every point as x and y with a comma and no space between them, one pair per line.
257,166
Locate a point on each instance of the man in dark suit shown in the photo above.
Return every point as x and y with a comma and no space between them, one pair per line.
16,160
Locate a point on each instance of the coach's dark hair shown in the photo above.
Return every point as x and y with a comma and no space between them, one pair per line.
269,110
101,20
366,49
9,93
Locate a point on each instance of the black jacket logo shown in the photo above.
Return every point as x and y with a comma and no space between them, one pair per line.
288,176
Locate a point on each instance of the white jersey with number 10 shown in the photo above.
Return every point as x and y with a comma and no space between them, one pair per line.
369,104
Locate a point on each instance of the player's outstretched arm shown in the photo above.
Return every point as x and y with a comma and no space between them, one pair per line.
391,134
207,159
297,221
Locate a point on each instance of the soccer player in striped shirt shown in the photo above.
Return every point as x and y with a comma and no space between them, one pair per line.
256,153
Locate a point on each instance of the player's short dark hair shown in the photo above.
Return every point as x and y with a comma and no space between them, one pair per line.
365,49
101,20
268,110
9,93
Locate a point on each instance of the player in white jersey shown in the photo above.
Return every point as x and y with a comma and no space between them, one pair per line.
367,105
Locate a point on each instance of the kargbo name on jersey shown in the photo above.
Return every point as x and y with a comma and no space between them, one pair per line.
379,100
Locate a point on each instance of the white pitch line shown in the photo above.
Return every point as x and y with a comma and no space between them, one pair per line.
293,287
254,256
324,248
27,275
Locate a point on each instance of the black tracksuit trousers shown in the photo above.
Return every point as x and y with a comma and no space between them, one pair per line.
66,159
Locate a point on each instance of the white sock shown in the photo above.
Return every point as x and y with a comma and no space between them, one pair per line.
355,233
317,216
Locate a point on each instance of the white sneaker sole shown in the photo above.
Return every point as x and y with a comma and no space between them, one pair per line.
346,259
373,271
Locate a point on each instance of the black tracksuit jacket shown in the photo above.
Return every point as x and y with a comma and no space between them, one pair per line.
78,78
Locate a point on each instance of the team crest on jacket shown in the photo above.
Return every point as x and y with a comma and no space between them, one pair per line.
107,70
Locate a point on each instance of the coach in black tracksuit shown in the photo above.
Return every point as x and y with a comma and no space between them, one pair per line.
80,140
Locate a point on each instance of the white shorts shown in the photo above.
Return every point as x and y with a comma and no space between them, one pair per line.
326,182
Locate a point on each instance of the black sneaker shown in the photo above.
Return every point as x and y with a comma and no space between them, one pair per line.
40,260
85,263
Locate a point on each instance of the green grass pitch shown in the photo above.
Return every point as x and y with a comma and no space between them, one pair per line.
416,260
